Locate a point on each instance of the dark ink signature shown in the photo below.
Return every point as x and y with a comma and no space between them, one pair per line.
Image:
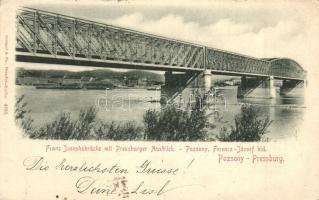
118,187
118,184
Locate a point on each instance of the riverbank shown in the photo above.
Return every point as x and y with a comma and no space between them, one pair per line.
89,87
130,104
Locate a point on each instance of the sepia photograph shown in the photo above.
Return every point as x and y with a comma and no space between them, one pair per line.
165,100
131,72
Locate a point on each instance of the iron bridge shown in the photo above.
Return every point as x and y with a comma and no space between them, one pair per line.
45,37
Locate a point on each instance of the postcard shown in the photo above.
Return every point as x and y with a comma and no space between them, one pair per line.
159,100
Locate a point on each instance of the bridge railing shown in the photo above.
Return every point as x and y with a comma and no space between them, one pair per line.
50,34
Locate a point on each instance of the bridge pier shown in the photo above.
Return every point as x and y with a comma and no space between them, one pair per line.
183,87
249,86
288,85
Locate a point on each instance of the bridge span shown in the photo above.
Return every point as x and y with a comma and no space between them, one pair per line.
52,38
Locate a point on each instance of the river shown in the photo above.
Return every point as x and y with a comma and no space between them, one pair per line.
285,112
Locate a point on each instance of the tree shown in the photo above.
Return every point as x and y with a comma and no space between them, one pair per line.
250,125
172,123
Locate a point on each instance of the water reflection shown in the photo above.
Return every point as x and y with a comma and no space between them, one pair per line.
286,112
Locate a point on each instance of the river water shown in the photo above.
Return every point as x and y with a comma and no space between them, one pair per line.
286,112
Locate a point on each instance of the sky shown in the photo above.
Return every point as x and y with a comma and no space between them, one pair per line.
258,30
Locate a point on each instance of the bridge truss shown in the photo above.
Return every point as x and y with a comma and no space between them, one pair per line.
47,37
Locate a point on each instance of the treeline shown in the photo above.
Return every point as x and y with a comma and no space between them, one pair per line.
100,73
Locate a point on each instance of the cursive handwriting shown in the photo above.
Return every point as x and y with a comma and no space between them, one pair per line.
35,163
145,168
118,187
93,168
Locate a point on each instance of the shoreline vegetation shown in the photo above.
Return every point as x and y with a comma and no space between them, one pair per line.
90,79
171,123
99,79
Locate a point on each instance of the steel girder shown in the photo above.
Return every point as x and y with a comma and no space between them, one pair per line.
226,61
56,35
285,67
41,33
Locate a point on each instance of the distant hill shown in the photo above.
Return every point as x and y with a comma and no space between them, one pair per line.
99,73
